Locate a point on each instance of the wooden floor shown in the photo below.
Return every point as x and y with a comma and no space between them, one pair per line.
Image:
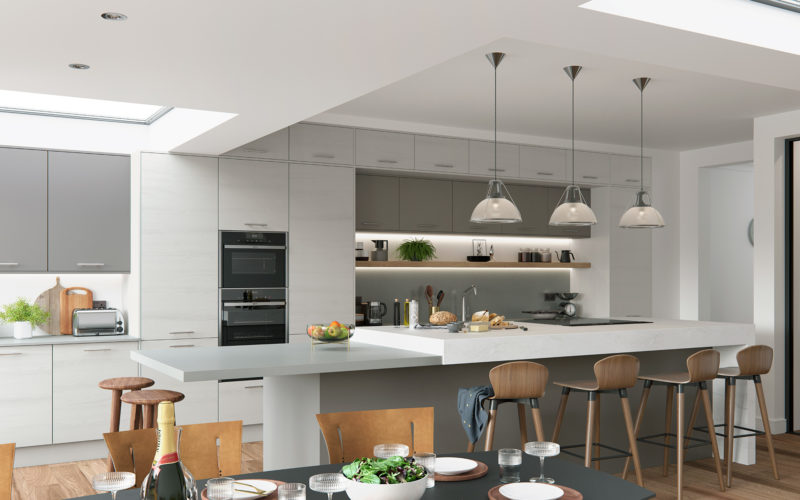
754,482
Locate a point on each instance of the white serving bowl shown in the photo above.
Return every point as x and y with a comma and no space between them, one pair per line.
400,491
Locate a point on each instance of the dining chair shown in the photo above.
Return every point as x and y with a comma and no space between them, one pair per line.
6,470
132,451
353,434
213,449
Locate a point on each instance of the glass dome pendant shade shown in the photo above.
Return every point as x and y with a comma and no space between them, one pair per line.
498,207
572,209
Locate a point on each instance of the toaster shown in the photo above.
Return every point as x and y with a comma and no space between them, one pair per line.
88,322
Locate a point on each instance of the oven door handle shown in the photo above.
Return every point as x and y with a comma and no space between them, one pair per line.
256,247
254,304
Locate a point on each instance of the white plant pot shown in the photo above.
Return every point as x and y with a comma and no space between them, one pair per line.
23,330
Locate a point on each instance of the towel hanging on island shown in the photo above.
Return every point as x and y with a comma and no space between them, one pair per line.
470,409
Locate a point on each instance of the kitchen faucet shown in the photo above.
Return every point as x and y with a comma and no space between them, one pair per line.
473,288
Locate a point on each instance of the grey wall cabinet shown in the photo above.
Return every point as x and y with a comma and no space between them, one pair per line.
554,195
532,202
89,212
377,203
466,195
23,200
426,205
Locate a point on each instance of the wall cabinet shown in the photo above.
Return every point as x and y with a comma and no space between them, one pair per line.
426,205
241,400
378,149
544,164
89,212
441,154
253,195
321,143
626,171
274,146
377,203
81,410
179,246
554,195
466,195
26,395
532,202
23,193
321,236
482,161
590,168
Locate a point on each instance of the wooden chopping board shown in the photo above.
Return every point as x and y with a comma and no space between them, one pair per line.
50,302
72,298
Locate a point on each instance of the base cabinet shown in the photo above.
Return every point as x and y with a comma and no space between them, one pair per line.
26,395
241,400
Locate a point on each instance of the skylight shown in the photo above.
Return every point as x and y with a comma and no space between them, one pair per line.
782,4
80,108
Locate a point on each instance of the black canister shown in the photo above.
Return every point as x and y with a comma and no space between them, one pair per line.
398,313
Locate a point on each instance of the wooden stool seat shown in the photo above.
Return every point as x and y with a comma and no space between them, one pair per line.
147,400
669,378
125,383
579,385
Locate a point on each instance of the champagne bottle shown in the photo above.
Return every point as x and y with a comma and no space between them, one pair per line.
168,479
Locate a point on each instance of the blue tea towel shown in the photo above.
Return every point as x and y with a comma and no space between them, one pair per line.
470,409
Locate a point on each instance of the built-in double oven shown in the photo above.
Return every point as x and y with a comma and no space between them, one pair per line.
252,294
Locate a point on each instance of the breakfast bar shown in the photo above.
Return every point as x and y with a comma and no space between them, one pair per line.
301,380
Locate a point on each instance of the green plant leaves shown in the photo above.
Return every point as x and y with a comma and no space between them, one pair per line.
390,470
417,249
22,310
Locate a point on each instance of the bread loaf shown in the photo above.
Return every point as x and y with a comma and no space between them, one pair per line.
480,316
442,318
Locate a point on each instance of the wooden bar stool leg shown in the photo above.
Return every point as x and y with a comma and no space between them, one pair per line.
116,409
147,422
703,390
693,417
560,416
668,427
730,387
523,425
648,384
626,412
762,405
470,447
134,419
596,436
679,444
490,425
590,412
537,420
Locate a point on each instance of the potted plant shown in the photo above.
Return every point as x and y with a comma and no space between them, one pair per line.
417,249
25,316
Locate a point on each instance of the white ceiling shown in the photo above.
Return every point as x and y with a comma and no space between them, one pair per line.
277,62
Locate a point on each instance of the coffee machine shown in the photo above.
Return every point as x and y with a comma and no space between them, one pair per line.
381,252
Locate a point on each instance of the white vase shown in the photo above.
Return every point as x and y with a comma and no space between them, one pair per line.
23,330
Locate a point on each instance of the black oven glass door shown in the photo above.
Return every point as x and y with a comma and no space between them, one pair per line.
247,323
251,266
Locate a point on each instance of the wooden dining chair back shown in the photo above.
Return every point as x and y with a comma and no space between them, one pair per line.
353,434
703,365
616,372
518,379
132,451
755,360
6,470
213,449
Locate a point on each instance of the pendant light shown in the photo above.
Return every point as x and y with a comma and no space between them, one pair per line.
572,209
641,215
498,206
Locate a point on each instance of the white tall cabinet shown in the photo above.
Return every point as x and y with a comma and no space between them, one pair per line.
253,195
630,256
321,235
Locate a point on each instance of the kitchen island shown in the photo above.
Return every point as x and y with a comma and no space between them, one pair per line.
387,367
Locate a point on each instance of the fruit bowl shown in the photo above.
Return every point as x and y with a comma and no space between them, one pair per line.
333,332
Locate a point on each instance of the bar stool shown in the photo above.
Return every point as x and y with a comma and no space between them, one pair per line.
147,399
702,366
116,386
612,374
520,382
753,362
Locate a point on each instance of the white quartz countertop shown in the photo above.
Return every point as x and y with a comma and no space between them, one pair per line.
230,362
63,339
542,341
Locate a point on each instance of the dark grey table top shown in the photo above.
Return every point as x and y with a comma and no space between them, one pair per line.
593,484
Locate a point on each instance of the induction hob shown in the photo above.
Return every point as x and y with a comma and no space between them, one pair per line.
567,321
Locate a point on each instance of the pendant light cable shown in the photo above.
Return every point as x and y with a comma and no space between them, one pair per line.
495,122
641,138
573,128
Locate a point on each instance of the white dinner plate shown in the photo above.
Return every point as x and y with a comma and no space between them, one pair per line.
261,484
451,466
531,491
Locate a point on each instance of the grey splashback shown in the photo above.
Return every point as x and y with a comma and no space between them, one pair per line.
504,291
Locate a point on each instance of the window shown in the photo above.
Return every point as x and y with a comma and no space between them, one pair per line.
793,5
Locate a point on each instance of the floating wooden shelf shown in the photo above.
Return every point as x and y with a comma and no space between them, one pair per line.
436,263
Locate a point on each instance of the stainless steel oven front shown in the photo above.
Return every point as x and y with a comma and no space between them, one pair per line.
252,259
252,316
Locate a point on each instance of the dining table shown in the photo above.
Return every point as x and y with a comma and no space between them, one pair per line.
591,483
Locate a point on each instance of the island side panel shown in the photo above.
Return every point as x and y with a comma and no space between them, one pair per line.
291,436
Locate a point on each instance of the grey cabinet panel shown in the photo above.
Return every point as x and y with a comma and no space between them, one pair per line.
23,200
377,203
426,205
533,203
554,195
89,212
465,196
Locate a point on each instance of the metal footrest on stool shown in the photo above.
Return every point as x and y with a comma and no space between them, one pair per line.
753,432
622,453
647,439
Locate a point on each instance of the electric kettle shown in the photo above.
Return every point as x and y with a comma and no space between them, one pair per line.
375,313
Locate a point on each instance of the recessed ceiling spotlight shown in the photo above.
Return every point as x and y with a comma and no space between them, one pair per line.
113,16
79,66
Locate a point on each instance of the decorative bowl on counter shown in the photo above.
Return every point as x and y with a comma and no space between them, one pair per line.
333,332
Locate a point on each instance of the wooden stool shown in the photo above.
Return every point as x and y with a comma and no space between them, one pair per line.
702,366
147,399
753,362
116,386
612,374
521,382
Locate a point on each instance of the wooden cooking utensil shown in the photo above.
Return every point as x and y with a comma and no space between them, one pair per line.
50,302
429,295
70,300
439,298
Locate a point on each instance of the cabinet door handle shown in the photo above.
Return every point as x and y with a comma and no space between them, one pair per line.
369,223
497,169
256,224
444,165
589,176
9,264
90,264
10,354
327,156
631,180
544,173
254,387
97,350
392,162
183,345
178,333
426,225
251,150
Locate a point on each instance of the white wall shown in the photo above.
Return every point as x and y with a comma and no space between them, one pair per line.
726,255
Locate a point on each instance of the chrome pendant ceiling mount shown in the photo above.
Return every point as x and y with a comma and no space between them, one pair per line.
498,207
572,209
641,215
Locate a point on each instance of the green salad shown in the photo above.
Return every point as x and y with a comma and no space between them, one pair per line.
392,470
